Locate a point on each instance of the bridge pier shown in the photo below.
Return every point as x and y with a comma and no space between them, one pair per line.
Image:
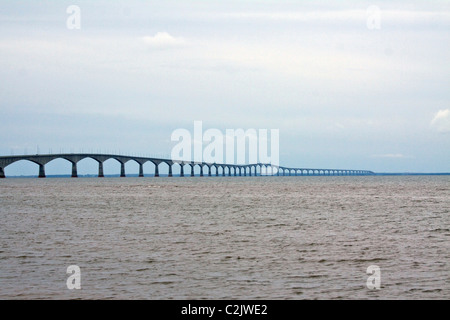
209,171
141,170
74,170
2,173
201,171
181,170
192,170
156,170
122,170
170,171
100,170
41,171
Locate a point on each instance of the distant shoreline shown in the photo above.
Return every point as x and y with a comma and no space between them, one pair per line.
412,174
176,176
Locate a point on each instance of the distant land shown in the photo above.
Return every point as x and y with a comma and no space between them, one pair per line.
412,174
175,176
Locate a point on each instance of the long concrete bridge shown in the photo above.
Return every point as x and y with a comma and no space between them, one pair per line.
226,169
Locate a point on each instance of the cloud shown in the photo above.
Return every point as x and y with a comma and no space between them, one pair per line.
441,121
163,40
391,156
402,16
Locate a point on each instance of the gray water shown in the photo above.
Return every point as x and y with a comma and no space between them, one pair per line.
226,238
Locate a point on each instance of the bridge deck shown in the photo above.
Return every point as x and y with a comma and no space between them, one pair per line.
265,169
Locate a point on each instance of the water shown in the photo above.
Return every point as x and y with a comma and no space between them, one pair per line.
226,238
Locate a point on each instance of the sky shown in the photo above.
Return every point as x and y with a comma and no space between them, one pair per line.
348,84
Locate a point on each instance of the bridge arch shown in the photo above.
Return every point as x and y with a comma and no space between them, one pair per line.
203,169
156,167
207,168
179,168
213,169
225,171
131,166
61,166
89,166
25,167
165,168
112,166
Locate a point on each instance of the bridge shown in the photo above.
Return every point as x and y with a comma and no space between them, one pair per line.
226,169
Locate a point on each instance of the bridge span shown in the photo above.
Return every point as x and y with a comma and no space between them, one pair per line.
265,169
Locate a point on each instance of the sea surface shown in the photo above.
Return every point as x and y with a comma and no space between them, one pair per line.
226,237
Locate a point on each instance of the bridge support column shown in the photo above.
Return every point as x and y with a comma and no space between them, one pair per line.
2,173
100,170
209,171
229,171
217,171
170,171
192,170
223,171
122,170
141,170
201,171
41,171
181,170
74,170
156,170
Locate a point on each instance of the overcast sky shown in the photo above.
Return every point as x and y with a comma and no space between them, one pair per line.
349,84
